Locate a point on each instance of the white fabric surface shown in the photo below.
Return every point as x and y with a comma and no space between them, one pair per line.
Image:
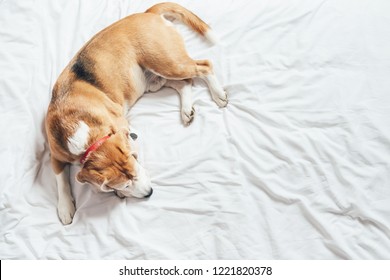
296,167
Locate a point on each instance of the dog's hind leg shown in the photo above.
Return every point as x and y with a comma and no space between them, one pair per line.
153,82
186,68
218,94
184,88
171,61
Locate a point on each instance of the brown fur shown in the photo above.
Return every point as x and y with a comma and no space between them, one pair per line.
96,83
110,73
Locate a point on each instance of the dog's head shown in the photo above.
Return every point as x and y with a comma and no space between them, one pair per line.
113,167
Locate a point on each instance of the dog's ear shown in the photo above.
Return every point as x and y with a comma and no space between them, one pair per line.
80,177
89,176
83,176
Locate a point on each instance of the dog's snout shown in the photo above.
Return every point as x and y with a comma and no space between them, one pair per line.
149,194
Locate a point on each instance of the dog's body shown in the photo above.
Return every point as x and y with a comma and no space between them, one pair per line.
86,117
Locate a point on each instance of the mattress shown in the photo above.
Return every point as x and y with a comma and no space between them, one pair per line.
297,166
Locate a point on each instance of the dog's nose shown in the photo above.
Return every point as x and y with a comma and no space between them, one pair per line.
149,194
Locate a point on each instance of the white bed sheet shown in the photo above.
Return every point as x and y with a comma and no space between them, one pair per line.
296,167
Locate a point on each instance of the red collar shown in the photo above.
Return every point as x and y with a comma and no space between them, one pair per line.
94,147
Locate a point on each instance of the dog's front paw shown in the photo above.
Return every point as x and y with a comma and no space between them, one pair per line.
221,99
66,211
187,115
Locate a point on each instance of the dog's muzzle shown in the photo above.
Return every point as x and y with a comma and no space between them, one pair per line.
141,187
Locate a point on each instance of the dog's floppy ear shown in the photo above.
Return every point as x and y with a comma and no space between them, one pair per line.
89,176
80,177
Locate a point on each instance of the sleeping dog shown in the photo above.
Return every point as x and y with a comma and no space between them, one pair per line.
86,121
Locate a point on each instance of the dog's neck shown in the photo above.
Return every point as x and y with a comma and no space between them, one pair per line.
93,148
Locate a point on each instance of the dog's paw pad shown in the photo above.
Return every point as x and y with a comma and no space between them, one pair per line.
221,99
188,116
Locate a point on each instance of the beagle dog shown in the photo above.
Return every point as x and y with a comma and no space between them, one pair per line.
86,122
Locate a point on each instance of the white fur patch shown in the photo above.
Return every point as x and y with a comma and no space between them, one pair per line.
218,94
214,85
141,185
77,143
139,79
65,205
210,35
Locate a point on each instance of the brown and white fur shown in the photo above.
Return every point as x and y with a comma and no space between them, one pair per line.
137,54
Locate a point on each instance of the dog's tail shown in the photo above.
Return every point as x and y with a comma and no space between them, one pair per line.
173,10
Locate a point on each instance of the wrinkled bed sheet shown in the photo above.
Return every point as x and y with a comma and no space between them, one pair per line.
296,167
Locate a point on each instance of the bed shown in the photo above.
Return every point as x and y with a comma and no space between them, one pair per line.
297,166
